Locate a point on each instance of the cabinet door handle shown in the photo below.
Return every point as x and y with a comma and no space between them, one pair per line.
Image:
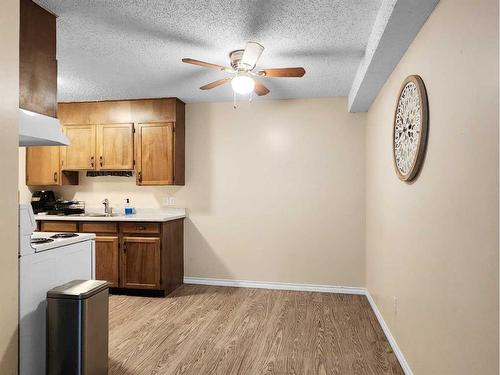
101,160
140,227
55,176
139,176
92,161
124,248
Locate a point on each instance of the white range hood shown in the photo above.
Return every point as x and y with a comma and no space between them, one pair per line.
40,130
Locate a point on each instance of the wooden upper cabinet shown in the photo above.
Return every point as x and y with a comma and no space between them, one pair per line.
154,153
37,59
99,147
115,147
141,263
158,145
42,166
80,154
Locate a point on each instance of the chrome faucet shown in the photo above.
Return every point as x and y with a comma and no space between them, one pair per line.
107,209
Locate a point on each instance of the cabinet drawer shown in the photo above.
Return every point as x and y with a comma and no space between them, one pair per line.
99,227
141,228
59,226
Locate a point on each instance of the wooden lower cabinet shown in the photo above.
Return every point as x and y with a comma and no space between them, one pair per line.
107,259
133,255
58,226
141,262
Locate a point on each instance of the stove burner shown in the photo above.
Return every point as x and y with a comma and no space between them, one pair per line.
40,240
64,235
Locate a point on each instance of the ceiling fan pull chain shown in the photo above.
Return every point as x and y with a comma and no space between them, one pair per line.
250,97
234,101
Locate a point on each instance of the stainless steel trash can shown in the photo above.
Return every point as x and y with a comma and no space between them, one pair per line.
77,328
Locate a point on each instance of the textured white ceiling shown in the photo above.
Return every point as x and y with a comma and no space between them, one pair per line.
110,49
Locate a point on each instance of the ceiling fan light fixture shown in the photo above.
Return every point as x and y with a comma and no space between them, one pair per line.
243,63
243,84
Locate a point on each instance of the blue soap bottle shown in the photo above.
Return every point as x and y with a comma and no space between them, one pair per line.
128,209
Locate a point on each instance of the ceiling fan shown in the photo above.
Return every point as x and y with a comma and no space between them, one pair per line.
243,62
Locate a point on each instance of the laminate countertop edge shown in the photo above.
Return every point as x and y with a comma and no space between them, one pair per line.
142,217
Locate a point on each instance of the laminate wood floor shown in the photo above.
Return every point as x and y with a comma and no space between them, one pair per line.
219,330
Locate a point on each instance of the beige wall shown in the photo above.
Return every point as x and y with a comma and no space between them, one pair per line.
9,101
276,192
274,189
434,244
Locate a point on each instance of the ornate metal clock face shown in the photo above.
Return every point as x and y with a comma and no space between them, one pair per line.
410,128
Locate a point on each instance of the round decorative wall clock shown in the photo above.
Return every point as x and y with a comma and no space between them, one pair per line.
411,122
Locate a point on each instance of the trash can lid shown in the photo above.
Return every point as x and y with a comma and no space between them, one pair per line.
78,289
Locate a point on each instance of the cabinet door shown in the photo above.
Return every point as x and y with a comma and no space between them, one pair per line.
115,147
80,154
106,259
37,59
154,146
141,263
42,166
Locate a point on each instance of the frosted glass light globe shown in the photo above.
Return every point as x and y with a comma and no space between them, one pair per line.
242,84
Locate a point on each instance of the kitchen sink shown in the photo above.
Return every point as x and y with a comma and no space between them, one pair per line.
93,214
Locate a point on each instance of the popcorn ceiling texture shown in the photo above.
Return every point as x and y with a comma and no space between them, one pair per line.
129,49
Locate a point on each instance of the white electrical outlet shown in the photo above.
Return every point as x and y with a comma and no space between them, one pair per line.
168,201
395,304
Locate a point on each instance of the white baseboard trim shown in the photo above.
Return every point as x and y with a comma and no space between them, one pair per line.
311,288
392,341
275,285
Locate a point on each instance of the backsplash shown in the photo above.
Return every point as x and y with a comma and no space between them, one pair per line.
93,190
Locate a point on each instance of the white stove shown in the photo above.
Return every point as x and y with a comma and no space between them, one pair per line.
46,260
42,241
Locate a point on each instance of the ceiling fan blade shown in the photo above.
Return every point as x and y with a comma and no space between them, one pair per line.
204,64
251,55
260,89
282,72
211,85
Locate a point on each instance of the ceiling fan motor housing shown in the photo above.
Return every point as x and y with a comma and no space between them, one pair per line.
235,57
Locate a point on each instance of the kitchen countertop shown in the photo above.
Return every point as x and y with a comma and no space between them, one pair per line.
145,215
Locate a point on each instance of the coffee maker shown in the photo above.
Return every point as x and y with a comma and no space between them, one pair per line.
43,201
